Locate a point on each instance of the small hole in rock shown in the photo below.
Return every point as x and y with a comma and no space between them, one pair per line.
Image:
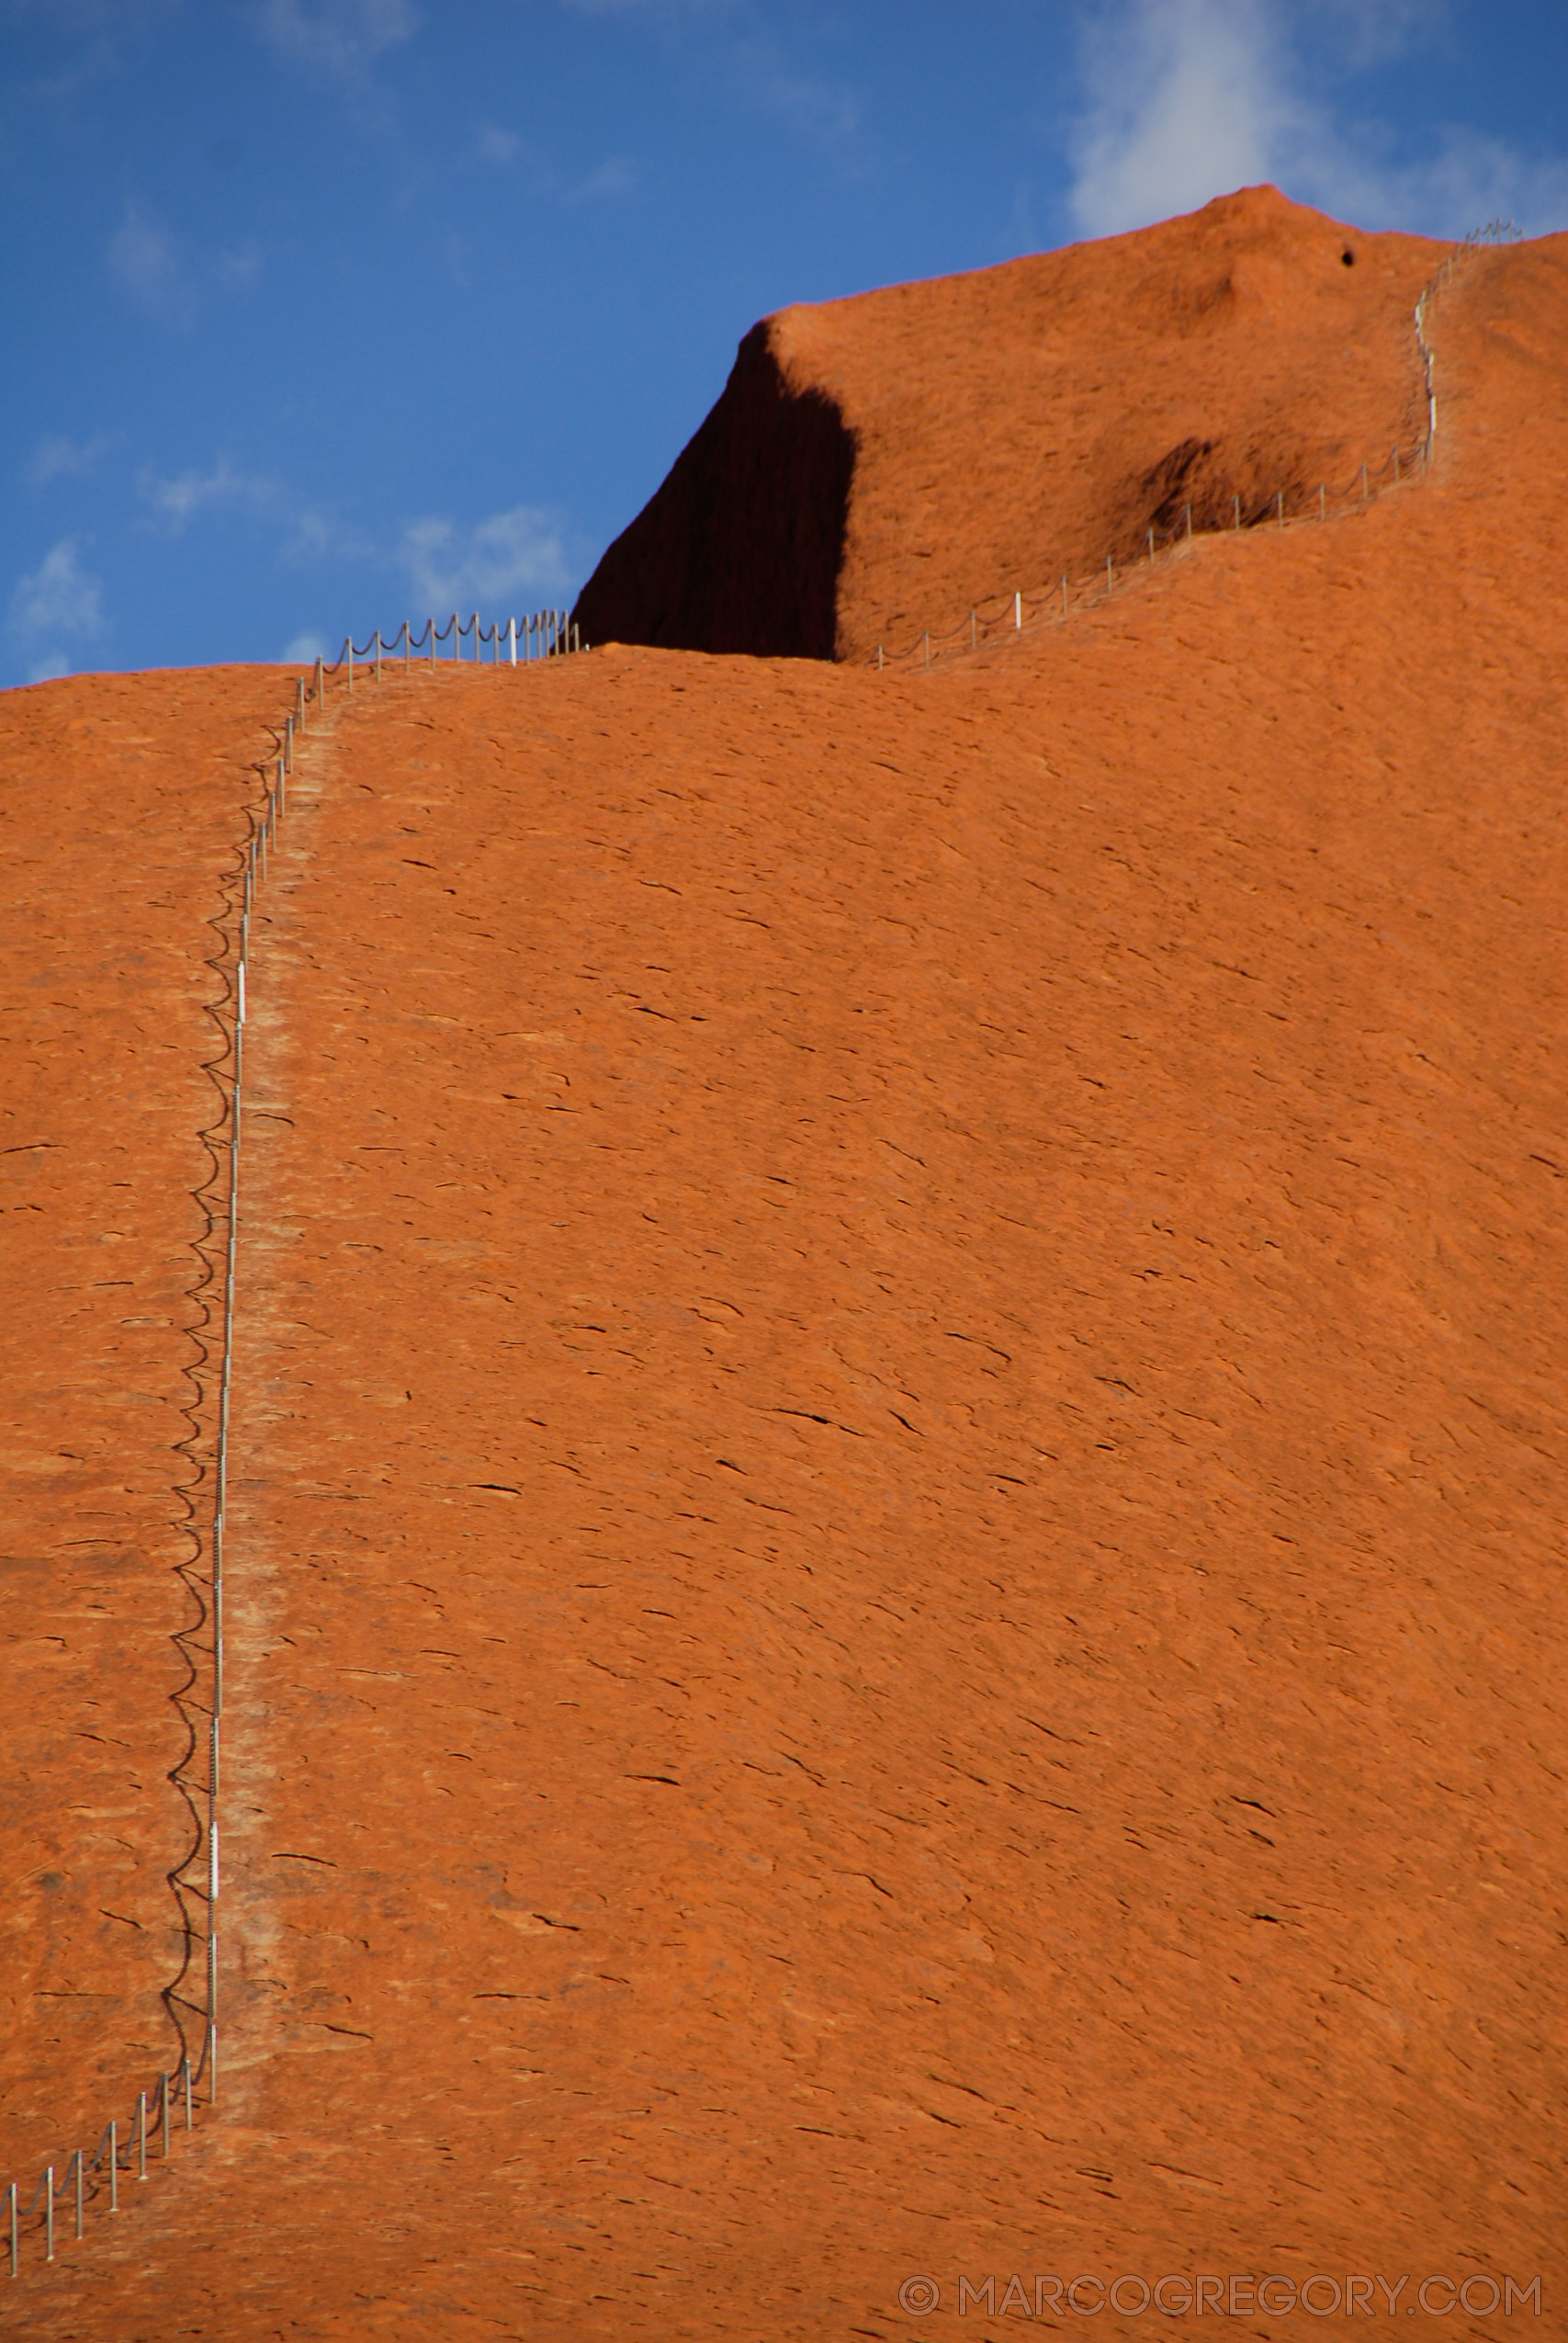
1349,259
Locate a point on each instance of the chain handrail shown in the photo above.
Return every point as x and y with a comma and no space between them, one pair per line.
87,2178
543,634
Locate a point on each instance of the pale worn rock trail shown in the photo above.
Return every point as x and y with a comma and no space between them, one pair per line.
894,1562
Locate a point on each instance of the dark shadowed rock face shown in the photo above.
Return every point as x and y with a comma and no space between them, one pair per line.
740,548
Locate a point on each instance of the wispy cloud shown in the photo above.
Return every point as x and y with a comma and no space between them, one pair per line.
57,458
518,553
338,39
176,501
670,13
514,555
159,273
1186,99
56,603
616,177
824,112
817,108
302,649
492,144
239,267
143,255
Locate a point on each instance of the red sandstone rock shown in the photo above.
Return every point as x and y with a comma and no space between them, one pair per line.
947,1294
878,466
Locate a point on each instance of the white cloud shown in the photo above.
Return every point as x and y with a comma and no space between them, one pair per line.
176,501
669,13
57,458
1184,104
1187,99
1469,180
242,267
823,112
512,553
303,650
340,38
616,177
159,276
143,257
57,599
492,144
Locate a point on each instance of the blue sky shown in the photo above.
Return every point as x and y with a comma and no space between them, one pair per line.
320,313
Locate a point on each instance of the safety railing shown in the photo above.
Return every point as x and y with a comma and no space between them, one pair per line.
544,634
88,2179
1286,506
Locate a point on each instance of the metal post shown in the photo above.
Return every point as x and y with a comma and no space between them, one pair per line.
1018,613
378,654
348,654
288,742
1189,525
48,2213
1063,594
512,639
80,2209
1363,483
1109,575
321,680
1397,467
164,2090
879,659
1282,508
1237,502
927,643
300,703
114,2167
408,645
1321,501
576,636
142,2135
11,2216
476,639
457,637
1151,545
185,2084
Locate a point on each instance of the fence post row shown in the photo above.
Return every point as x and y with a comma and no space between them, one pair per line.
1394,470
543,634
